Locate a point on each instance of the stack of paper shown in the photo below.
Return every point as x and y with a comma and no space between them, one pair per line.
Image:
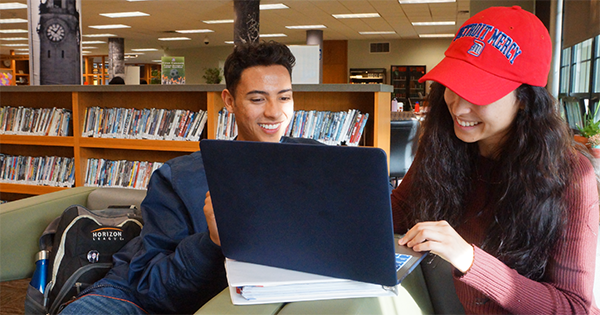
257,284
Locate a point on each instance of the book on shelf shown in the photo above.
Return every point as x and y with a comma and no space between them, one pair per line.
332,128
119,173
34,121
42,170
154,124
226,126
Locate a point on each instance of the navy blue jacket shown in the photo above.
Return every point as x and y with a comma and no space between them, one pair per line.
173,266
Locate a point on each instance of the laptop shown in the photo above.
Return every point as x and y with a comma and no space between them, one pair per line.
317,209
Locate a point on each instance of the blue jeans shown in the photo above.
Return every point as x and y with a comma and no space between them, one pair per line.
101,301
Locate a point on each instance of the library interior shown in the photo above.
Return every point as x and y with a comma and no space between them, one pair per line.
356,83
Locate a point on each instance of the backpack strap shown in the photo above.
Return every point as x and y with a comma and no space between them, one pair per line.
48,235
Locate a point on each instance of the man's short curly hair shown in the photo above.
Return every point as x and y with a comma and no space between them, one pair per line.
248,55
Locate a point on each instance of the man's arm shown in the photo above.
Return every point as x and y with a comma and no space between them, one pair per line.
178,267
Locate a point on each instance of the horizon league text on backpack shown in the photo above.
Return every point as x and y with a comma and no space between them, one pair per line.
108,234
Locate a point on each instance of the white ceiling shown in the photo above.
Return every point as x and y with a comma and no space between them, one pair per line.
167,16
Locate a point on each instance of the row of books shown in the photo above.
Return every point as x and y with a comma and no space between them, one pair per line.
573,114
40,170
34,121
155,123
121,173
332,128
226,126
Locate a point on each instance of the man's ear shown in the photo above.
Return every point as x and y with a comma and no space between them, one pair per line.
227,99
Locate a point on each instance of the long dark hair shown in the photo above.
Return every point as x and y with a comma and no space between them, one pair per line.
536,161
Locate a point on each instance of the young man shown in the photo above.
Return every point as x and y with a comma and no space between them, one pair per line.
174,266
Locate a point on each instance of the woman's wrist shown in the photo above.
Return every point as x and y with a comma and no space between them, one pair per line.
464,262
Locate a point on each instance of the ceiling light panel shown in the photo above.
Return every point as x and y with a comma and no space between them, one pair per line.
424,1
305,27
144,49
92,42
13,31
174,38
377,33
99,35
274,6
14,38
14,45
273,35
436,35
10,21
194,31
218,21
356,16
109,26
433,23
125,14
12,5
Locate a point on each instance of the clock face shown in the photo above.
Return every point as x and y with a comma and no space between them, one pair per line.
55,32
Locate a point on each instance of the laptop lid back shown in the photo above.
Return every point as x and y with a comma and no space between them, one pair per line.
312,208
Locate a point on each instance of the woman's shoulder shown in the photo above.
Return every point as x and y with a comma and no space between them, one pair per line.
582,166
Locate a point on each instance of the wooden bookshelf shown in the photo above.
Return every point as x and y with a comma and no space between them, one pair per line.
95,70
371,98
18,66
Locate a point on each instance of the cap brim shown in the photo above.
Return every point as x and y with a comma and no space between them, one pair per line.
469,82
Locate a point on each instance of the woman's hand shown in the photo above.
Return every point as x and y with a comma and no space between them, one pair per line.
441,239
210,220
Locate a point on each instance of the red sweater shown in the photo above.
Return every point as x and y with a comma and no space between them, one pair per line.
567,284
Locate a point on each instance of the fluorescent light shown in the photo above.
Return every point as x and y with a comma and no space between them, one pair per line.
134,54
435,35
12,5
218,21
124,14
144,49
273,35
174,38
89,47
22,53
14,45
99,35
305,27
22,49
109,26
273,6
377,33
424,1
356,16
92,42
14,38
433,23
85,52
8,21
230,42
194,31
13,31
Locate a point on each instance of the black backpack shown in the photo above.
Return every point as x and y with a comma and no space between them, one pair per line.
80,245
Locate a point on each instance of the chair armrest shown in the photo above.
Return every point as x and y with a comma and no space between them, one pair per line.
22,223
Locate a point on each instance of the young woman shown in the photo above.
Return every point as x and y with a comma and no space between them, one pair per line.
498,188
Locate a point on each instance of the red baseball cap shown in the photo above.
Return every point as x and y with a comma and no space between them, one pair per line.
493,53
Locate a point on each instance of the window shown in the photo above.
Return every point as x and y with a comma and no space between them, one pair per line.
596,78
582,62
565,71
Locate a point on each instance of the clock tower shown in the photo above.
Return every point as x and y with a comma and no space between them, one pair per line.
58,30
